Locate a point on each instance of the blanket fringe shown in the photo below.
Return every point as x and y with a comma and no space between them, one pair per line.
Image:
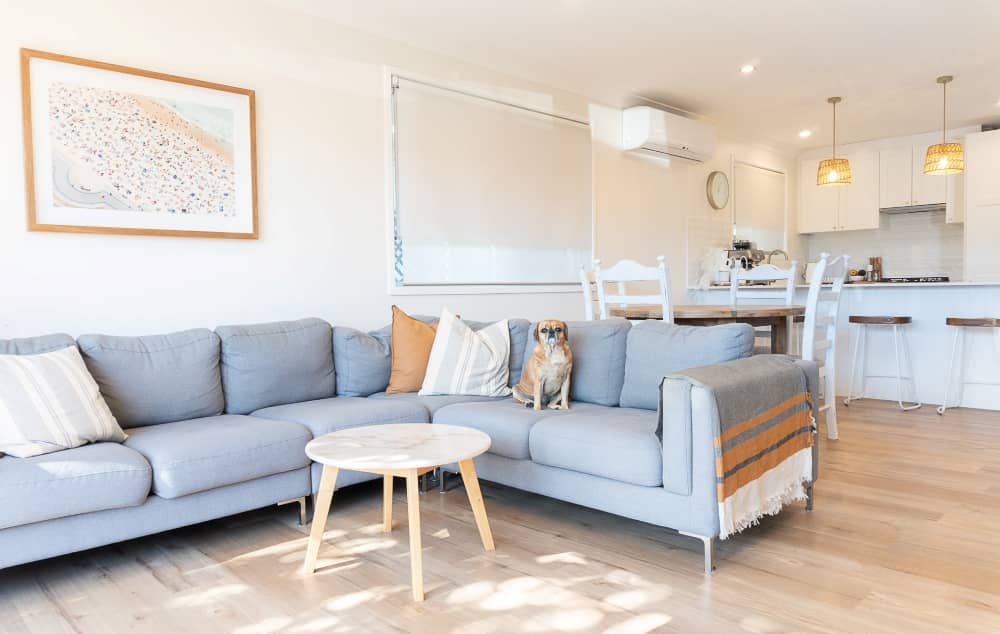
794,492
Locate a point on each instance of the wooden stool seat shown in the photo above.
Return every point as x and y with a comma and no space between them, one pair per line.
880,320
974,322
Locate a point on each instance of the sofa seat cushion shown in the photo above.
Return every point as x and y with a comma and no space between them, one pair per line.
326,415
433,402
207,453
613,442
91,478
507,422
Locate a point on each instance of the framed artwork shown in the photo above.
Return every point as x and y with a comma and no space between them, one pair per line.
112,149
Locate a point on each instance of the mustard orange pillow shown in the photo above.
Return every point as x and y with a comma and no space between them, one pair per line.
412,341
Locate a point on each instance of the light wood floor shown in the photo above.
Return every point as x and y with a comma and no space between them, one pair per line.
905,537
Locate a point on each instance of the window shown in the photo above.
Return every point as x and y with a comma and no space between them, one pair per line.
485,192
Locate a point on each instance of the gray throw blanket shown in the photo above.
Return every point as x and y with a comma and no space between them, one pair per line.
763,435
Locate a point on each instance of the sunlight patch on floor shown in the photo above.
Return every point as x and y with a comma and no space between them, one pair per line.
200,597
562,558
276,624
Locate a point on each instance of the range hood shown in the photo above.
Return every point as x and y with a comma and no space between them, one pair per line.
913,209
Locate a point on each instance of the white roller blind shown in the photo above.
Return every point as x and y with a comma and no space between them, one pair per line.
487,192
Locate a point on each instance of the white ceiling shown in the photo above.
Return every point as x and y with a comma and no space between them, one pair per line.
881,56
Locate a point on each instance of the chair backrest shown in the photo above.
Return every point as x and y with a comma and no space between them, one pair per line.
763,273
819,332
587,282
627,271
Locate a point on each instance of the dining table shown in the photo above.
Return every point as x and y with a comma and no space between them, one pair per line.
776,316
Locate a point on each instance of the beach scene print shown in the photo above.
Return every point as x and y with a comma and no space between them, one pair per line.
130,152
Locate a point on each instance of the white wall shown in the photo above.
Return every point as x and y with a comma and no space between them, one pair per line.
645,209
322,179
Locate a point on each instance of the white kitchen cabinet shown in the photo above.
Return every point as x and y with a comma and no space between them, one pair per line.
927,190
982,206
859,201
818,206
902,182
895,176
954,195
840,207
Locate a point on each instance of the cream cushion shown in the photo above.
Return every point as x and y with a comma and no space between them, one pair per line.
50,402
468,362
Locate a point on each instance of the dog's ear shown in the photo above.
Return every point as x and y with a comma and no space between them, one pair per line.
565,332
538,334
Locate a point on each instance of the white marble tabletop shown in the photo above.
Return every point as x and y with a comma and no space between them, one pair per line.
397,446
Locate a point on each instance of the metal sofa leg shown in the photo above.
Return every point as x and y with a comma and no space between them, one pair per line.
302,508
709,545
443,480
809,497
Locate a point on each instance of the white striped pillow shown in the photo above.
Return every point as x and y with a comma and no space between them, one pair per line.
464,361
50,402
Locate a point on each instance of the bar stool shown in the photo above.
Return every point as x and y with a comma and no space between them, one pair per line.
958,347
898,338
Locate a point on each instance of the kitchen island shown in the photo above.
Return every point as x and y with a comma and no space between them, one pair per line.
930,340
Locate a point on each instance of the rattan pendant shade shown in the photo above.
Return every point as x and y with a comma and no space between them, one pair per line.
944,158
834,171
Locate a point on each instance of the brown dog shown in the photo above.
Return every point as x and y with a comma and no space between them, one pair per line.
545,379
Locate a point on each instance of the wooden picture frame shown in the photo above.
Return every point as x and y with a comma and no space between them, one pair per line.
111,149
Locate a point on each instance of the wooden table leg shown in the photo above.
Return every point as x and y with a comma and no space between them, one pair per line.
323,498
471,481
387,503
779,335
413,513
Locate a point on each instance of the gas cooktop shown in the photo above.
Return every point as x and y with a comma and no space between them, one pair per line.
916,280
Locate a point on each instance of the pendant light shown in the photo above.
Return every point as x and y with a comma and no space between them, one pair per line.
834,171
944,158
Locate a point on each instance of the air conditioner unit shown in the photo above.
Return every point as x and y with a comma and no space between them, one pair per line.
666,135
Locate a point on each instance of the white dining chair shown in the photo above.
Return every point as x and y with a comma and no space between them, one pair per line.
627,272
763,294
587,283
819,332
763,273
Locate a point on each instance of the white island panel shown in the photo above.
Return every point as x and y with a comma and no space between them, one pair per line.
930,340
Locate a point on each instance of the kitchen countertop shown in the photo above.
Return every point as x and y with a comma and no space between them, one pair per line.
851,285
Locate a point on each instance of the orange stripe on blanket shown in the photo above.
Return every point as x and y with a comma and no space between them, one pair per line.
763,416
767,462
756,444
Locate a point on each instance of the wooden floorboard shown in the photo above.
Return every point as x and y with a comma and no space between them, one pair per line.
904,538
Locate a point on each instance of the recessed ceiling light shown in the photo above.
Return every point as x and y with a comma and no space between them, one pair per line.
746,69
805,134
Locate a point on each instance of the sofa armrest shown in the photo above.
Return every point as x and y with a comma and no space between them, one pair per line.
688,414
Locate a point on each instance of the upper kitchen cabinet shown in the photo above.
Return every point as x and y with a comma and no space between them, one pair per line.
840,207
982,206
902,182
895,183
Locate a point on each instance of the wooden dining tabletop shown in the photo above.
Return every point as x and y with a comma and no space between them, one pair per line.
776,316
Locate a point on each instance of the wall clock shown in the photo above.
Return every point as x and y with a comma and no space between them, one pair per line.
717,189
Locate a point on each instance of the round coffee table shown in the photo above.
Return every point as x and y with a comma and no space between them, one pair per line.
406,450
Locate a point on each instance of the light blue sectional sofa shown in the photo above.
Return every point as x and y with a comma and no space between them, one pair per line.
218,422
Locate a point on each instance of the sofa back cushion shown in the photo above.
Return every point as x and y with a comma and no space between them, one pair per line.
656,349
276,363
36,345
157,378
598,359
363,359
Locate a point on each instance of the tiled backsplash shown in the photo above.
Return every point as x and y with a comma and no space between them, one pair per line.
910,245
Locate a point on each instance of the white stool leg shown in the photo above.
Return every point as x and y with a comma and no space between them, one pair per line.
854,368
951,371
899,372
909,364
